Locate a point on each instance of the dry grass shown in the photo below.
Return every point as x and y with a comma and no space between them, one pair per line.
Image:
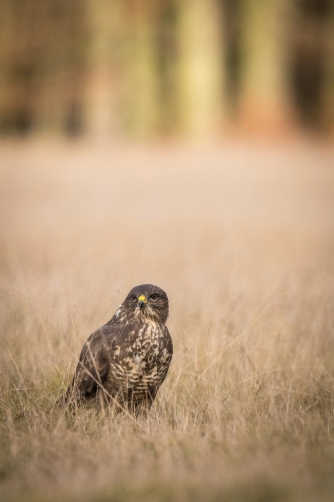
242,239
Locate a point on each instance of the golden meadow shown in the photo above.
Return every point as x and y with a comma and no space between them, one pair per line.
241,236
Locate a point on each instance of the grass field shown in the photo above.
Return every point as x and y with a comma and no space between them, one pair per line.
242,239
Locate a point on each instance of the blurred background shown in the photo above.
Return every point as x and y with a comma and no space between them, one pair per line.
148,68
212,176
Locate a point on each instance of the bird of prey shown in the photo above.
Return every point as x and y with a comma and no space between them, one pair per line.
125,361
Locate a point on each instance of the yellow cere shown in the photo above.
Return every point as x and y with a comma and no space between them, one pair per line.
142,298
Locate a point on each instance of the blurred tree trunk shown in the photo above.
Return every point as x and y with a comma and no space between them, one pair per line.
264,98
101,95
59,82
201,75
7,40
329,76
312,55
19,55
166,43
142,113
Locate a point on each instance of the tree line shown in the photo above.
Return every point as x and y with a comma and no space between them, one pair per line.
166,67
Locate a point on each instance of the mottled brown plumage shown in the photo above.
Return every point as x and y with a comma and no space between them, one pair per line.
126,360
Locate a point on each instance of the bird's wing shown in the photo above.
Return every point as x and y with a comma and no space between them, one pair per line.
92,367
93,363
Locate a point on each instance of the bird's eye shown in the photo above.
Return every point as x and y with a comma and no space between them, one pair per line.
133,298
153,298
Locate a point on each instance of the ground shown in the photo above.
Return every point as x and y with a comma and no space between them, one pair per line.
241,237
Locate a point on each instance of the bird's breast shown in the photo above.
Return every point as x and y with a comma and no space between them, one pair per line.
144,358
148,345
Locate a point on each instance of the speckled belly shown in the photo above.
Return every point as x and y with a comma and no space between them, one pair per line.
134,382
139,371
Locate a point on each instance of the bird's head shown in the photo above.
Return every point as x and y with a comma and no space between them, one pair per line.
147,302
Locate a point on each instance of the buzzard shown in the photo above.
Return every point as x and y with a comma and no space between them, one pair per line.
126,360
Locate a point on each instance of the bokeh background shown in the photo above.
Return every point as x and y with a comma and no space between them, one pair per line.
143,68
188,144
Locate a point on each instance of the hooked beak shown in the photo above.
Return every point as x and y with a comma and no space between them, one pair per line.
141,301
